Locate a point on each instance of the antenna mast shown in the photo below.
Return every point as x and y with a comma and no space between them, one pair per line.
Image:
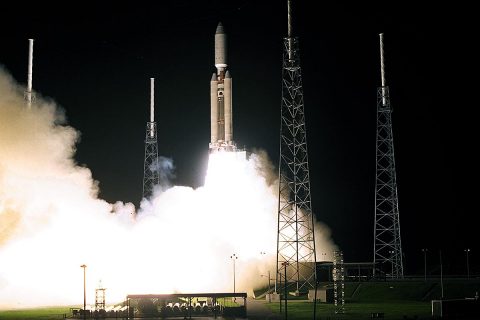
289,35
28,94
152,99
387,241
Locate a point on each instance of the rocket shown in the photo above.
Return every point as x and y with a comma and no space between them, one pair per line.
221,98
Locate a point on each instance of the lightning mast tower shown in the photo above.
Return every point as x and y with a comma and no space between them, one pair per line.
387,241
295,237
151,176
100,297
29,96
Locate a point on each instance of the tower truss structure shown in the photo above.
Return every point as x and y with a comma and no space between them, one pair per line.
151,175
338,282
100,298
387,241
295,237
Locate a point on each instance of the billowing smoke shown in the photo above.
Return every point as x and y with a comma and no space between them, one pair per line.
181,240
166,169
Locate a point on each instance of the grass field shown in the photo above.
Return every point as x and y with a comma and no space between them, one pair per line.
296,310
396,300
46,313
392,310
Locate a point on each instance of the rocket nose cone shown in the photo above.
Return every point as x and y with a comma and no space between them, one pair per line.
219,28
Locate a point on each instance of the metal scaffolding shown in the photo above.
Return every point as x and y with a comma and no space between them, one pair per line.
100,298
338,282
295,238
387,241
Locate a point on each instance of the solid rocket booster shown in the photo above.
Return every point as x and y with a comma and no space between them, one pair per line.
221,97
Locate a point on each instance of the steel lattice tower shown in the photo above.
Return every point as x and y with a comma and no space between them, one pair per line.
295,238
100,297
151,176
339,281
387,243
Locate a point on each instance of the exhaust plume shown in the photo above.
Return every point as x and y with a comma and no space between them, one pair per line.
180,240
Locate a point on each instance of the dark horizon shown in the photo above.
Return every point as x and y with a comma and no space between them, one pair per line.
96,64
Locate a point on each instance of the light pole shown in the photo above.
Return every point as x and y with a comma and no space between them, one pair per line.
441,271
234,257
262,275
84,292
285,264
391,252
468,266
264,253
425,261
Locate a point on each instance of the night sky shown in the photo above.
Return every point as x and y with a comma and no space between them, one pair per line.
95,61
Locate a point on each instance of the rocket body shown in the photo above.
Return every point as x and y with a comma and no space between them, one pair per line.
221,98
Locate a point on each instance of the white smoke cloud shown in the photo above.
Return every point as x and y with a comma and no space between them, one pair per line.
166,171
181,240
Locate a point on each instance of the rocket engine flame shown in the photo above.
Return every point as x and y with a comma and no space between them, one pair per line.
181,240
